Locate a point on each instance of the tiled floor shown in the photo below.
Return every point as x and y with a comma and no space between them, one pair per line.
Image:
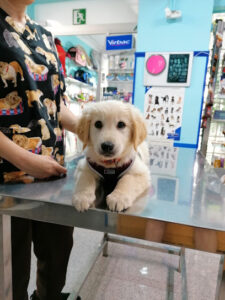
133,273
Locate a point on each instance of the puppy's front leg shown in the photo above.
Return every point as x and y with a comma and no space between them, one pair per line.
127,190
84,195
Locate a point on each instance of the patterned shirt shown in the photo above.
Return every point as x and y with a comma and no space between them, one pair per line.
31,86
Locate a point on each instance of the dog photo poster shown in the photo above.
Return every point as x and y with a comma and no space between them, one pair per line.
163,111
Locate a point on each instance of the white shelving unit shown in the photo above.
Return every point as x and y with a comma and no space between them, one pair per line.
120,81
118,68
121,70
75,87
80,84
216,141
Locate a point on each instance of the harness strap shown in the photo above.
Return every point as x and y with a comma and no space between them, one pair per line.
110,173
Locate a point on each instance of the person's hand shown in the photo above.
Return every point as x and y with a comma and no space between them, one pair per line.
41,166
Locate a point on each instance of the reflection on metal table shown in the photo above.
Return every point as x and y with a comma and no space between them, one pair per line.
186,195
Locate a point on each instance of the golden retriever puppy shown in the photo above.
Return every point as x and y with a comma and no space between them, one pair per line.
113,134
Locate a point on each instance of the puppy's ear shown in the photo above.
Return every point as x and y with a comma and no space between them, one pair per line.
83,129
139,130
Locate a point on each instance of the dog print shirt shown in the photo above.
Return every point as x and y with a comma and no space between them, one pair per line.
31,86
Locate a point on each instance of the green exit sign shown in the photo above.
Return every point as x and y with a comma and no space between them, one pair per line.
79,16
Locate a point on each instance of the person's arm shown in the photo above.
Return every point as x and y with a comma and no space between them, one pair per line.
68,119
38,166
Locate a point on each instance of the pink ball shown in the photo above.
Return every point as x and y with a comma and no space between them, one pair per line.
155,64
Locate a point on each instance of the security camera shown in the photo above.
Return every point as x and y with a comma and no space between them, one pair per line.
172,14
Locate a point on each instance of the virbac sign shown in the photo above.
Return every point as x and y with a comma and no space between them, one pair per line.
119,42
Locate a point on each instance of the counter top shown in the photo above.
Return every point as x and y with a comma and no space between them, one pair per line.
185,190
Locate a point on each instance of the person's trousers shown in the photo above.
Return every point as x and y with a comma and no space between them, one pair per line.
52,247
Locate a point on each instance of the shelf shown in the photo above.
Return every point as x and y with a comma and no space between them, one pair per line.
217,121
120,52
117,81
216,153
78,83
218,143
218,100
121,70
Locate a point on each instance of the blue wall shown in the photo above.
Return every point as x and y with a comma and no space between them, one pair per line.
155,33
190,33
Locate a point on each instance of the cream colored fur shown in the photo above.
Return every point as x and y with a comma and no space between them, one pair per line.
128,144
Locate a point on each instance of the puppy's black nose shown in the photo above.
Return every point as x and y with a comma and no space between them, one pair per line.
107,147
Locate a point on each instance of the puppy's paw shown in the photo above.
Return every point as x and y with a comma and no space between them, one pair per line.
118,201
82,201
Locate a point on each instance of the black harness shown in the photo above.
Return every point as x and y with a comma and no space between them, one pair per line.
109,176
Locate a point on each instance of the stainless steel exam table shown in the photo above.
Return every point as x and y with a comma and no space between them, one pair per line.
185,191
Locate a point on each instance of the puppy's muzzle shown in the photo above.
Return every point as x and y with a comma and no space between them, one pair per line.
107,148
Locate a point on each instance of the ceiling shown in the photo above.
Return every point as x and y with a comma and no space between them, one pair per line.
92,34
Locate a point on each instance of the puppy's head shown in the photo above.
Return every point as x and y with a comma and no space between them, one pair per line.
111,129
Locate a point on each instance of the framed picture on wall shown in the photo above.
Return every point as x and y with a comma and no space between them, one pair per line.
168,69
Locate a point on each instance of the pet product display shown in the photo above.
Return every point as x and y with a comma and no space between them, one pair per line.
77,56
218,38
113,93
121,62
222,79
83,76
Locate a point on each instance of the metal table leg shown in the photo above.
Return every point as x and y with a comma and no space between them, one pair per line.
5,258
102,250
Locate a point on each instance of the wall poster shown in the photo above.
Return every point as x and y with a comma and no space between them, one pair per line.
168,69
163,111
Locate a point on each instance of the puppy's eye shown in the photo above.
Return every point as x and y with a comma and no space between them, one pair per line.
98,124
121,124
